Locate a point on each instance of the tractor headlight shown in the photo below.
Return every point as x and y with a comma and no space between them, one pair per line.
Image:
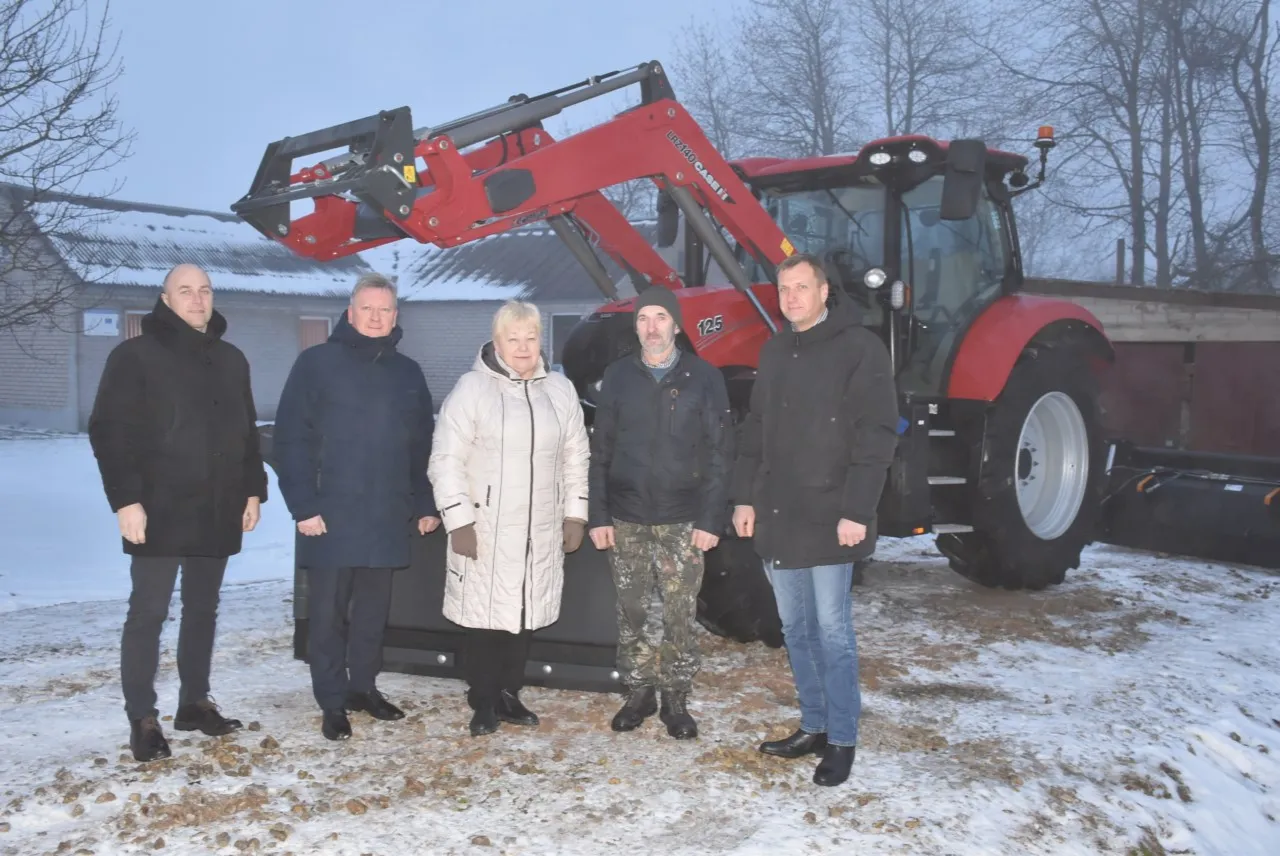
917,156
880,158
874,278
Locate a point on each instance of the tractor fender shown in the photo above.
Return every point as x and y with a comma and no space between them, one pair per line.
1006,328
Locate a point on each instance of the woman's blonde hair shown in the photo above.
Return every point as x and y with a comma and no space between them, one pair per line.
516,312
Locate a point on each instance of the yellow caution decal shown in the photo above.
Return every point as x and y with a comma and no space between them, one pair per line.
411,174
788,248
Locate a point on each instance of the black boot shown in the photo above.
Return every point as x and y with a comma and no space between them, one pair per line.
510,709
336,726
484,720
796,746
641,702
375,704
204,716
835,765
147,741
680,724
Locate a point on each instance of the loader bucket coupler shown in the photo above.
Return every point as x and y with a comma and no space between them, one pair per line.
378,169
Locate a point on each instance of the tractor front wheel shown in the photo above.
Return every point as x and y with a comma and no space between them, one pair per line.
1038,501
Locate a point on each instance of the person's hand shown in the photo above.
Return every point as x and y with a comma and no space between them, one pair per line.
427,525
133,523
573,532
312,526
705,540
850,534
463,541
602,537
252,513
744,521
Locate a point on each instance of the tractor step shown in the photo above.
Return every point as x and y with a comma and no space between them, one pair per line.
941,432
941,480
950,528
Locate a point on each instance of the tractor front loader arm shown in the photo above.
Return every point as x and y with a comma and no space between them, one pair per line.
394,182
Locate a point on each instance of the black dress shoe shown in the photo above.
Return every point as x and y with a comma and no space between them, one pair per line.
204,716
510,709
835,765
796,746
675,715
484,720
641,702
147,740
336,726
375,704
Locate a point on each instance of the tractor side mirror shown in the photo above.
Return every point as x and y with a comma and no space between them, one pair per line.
668,220
963,179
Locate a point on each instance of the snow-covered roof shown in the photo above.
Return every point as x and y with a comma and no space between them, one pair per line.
120,243
529,263
136,244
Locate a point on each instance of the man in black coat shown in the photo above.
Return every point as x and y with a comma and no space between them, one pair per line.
352,440
815,450
661,452
175,434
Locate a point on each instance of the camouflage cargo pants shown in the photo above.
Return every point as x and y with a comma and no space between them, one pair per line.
661,558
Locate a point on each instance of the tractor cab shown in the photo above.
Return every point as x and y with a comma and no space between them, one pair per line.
918,235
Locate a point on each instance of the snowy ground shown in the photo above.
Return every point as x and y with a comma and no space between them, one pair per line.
1134,710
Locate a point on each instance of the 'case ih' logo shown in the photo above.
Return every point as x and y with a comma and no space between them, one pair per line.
692,158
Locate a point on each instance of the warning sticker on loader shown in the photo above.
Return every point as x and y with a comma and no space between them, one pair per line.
788,247
411,173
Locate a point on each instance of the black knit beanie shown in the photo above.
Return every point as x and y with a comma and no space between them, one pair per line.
657,295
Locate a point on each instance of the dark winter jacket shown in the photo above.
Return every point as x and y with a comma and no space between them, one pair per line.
174,428
351,442
818,442
661,452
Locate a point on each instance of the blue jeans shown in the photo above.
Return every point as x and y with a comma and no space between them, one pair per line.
816,608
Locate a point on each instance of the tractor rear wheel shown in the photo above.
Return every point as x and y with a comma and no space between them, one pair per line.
1040,495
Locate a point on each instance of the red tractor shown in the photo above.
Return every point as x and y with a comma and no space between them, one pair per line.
1000,450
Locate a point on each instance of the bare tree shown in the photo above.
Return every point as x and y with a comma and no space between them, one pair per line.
58,126
795,71
706,83
921,63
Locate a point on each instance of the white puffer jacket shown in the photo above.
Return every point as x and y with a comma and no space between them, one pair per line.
510,456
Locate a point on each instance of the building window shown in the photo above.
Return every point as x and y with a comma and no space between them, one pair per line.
312,331
561,326
133,324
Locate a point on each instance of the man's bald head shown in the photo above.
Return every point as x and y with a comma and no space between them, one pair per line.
188,292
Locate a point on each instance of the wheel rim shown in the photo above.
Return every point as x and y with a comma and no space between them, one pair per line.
1051,465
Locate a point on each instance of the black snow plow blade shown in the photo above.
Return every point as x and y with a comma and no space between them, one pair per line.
1224,508
579,651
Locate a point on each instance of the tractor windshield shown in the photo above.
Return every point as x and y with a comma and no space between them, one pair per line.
955,267
844,226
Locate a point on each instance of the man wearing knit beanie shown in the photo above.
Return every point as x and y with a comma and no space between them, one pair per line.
661,451
657,295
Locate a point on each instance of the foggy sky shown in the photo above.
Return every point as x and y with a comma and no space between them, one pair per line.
206,91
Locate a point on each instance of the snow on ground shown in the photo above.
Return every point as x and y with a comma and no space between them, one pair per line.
61,541
1133,710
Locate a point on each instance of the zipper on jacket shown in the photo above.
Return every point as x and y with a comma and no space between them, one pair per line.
487,490
528,538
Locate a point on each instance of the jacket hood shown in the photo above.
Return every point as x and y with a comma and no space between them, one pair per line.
487,361
163,322
346,334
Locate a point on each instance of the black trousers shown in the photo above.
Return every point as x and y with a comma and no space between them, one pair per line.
153,580
347,612
492,661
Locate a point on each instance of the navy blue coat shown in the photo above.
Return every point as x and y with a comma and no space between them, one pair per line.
352,440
